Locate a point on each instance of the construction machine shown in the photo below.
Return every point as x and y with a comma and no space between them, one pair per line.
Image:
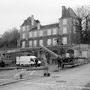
67,59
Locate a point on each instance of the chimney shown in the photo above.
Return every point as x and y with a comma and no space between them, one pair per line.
59,21
32,20
38,24
63,10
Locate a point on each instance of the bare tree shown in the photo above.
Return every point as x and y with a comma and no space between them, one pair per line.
83,13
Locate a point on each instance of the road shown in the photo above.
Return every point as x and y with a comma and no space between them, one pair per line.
76,78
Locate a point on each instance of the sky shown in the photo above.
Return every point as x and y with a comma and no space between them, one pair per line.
14,12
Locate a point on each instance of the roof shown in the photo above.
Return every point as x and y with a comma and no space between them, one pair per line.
47,26
27,22
32,56
68,12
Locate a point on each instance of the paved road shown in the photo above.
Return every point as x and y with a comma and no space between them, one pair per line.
68,79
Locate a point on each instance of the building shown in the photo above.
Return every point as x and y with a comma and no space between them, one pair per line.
55,36
58,37
69,24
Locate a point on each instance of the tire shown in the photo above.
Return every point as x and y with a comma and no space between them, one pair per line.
62,66
45,74
48,74
38,65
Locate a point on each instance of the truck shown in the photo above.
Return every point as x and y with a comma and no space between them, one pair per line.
27,60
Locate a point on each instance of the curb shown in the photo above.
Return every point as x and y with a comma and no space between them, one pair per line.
14,81
11,82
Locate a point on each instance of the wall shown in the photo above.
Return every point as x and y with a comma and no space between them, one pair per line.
82,50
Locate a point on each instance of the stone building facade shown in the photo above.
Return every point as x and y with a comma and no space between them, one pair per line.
55,36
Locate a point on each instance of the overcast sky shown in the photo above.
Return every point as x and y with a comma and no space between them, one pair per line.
14,12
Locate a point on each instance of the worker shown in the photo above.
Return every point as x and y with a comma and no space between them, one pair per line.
59,60
36,62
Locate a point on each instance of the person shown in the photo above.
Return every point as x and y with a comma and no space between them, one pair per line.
36,62
59,60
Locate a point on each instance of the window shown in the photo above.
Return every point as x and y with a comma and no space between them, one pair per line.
75,22
30,34
74,29
64,21
23,44
64,30
30,43
28,28
35,34
64,40
54,41
23,28
44,32
89,24
35,43
40,33
49,32
41,42
49,42
23,36
54,31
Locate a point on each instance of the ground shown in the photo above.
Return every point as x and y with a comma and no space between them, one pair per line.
76,78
